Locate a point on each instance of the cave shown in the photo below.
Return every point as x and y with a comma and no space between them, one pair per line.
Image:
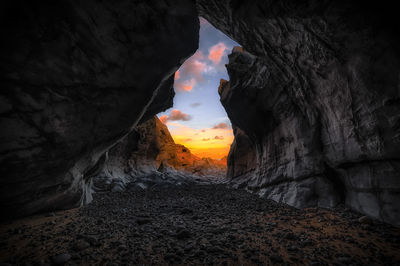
313,99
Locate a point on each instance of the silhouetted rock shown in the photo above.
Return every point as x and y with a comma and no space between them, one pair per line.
315,89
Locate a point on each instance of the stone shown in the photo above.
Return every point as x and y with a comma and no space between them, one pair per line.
81,245
364,220
61,259
183,234
142,221
149,154
77,76
313,98
276,259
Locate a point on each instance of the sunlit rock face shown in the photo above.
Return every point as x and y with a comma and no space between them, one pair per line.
316,91
150,153
76,77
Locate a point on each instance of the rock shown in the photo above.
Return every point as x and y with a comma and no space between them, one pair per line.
142,221
150,156
182,234
186,211
317,99
77,76
344,260
275,259
364,220
117,187
61,259
81,245
289,236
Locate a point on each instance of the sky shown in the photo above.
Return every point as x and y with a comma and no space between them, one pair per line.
197,118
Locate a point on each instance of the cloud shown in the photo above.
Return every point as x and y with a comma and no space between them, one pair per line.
186,85
203,130
177,75
191,72
203,21
188,139
206,139
164,119
221,126
216,52
194,66
176,115
219,137
194,105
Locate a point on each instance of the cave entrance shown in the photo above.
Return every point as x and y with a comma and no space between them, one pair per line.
197,121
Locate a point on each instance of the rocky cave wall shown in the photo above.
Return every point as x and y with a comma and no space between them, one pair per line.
76,76
317,93
313,97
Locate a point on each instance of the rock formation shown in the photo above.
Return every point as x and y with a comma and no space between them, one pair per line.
314,97
76,77
150,151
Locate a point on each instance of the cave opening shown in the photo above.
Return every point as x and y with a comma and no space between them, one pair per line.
312,97
197,121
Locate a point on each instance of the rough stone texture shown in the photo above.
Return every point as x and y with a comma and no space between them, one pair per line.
150,151
75,77
317,92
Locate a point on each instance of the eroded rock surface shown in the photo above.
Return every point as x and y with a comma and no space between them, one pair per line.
76,77
316,90
149,156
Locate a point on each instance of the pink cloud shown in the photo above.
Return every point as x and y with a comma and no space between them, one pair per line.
206,139
221,126
190,73
164,119
216,52
186,85
178,115
203,21
177,75
194,66
219,137
175,115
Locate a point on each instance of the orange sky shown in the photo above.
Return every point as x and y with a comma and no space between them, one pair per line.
207,142
197,118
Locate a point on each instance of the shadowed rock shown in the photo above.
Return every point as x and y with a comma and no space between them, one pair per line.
315,89
76,77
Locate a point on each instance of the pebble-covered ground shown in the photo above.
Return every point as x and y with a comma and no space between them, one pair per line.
197,224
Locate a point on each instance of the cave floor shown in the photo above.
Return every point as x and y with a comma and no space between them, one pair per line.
197,224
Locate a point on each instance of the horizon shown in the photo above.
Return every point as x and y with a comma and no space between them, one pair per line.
197,119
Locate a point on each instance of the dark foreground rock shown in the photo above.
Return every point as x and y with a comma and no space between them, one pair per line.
197,224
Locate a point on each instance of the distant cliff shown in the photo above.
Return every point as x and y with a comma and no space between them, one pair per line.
148,149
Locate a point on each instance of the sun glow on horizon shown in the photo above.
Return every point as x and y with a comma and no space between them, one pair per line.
209,142
197,120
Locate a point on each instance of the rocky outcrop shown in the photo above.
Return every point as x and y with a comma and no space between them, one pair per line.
150,151
76,77
316,90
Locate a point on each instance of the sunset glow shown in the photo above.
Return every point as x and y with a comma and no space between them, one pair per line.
208,142
197,119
